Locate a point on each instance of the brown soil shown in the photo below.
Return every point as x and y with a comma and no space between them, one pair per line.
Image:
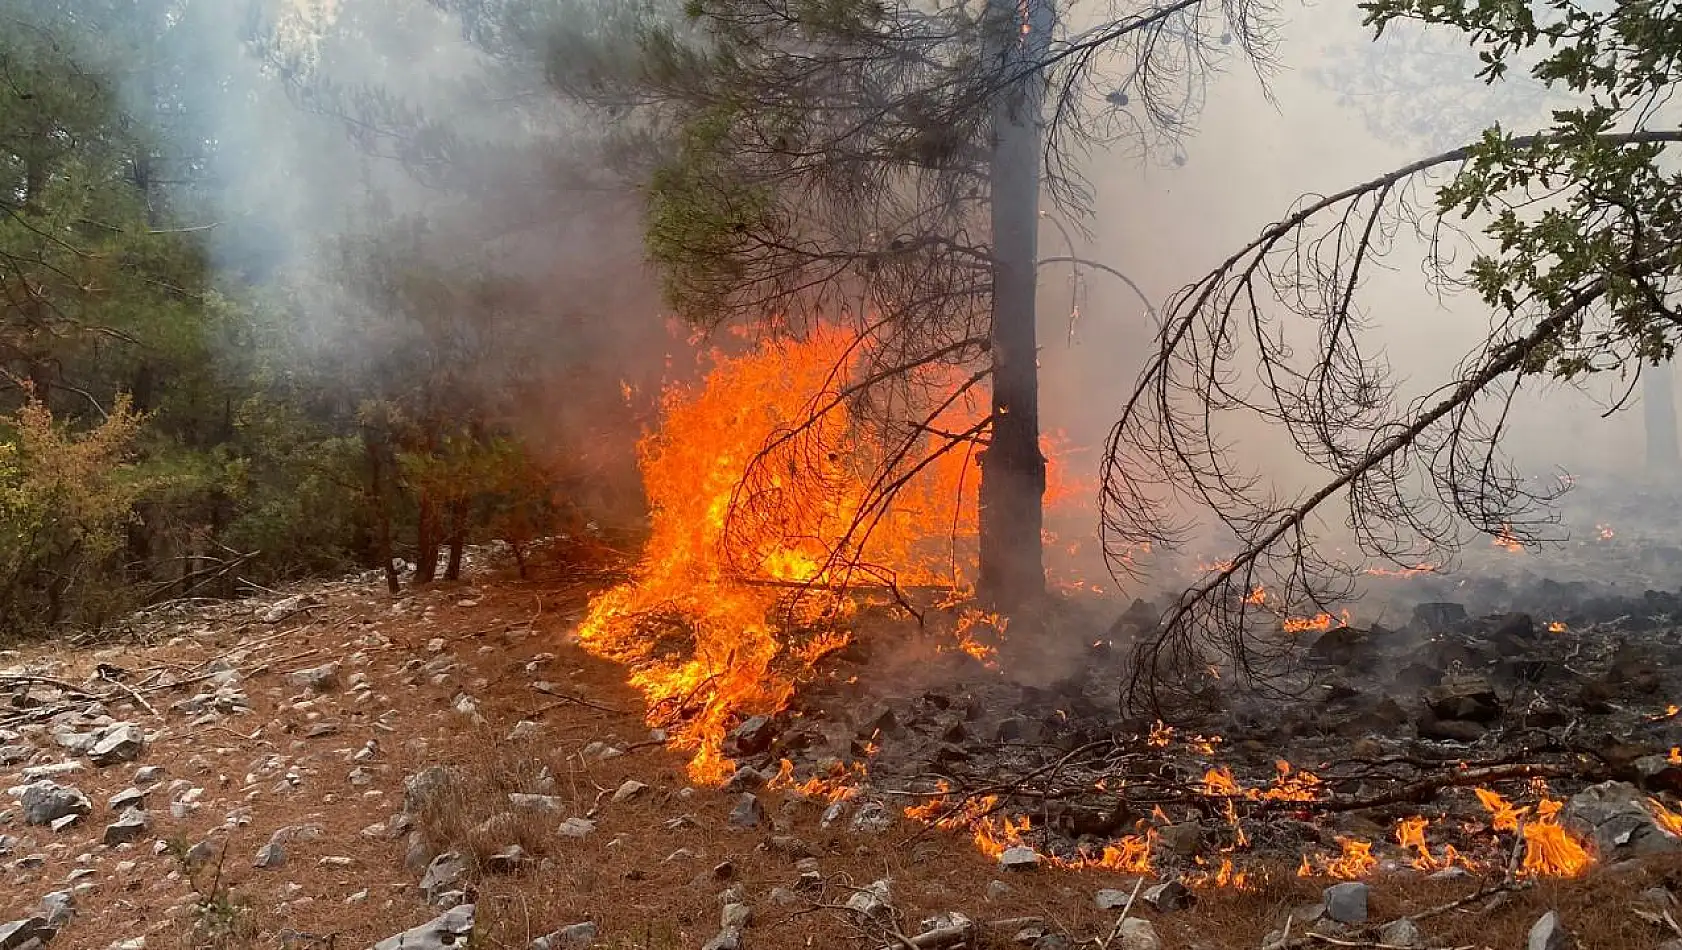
647,880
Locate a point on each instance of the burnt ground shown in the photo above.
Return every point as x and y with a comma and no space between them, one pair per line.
307,734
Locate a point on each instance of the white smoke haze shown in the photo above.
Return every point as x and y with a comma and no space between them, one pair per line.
323,124
1338,110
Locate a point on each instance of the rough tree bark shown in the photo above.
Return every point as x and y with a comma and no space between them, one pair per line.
1658,409
1012,468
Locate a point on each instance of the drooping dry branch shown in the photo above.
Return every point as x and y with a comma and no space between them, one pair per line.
1410,474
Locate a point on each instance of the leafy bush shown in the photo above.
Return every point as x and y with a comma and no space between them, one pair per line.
65,499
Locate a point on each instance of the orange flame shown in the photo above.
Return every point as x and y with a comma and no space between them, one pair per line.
1353,862
1549,851
1670,821
756,481
1410,834
1507,541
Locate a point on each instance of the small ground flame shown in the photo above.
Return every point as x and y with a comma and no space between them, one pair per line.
1549,850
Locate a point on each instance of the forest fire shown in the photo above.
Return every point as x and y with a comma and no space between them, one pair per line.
1549,850
768,516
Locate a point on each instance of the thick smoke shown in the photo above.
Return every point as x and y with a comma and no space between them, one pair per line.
414,200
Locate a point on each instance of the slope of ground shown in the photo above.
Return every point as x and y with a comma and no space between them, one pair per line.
306,759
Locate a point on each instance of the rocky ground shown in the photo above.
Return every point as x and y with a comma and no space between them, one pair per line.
339,768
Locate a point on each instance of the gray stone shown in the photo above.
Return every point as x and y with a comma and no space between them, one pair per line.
1547,933
1136,933
872,818
1616,823
1167,896
576,827
1019,858
117,743
752,737
131,826
1346,903
1402,933
872,901
629,790
426,786
148,775
318,679
127,798
270,856
19,933
728,939
748,813
570,937
1110,899
735,916
444,873
997,890
449,931
58,907
506,861
45,802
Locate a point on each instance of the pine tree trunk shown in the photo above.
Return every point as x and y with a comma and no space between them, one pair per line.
426,540
1658,405
1012,468
382,511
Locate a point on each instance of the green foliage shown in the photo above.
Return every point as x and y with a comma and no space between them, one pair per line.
702,220
1586,210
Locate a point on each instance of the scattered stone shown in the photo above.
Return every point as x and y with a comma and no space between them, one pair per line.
270,856
128,828
548,803
1346,903
22,933
1402,933
1110,899
1136,933
872,901
443,874
872,818
1019,858
631,789
752,737
318,679
452,929
735,916
1469,699
506,861
576,827
1547,933
426,786
1183,838
1168,896
45,802
724,940
58,907
127,798
570,937
1612,817
997,890
117,743
748,813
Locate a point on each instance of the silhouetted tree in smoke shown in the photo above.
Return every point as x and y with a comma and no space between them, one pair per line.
1583,254
843,162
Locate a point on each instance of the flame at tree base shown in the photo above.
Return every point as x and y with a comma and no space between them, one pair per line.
768,498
